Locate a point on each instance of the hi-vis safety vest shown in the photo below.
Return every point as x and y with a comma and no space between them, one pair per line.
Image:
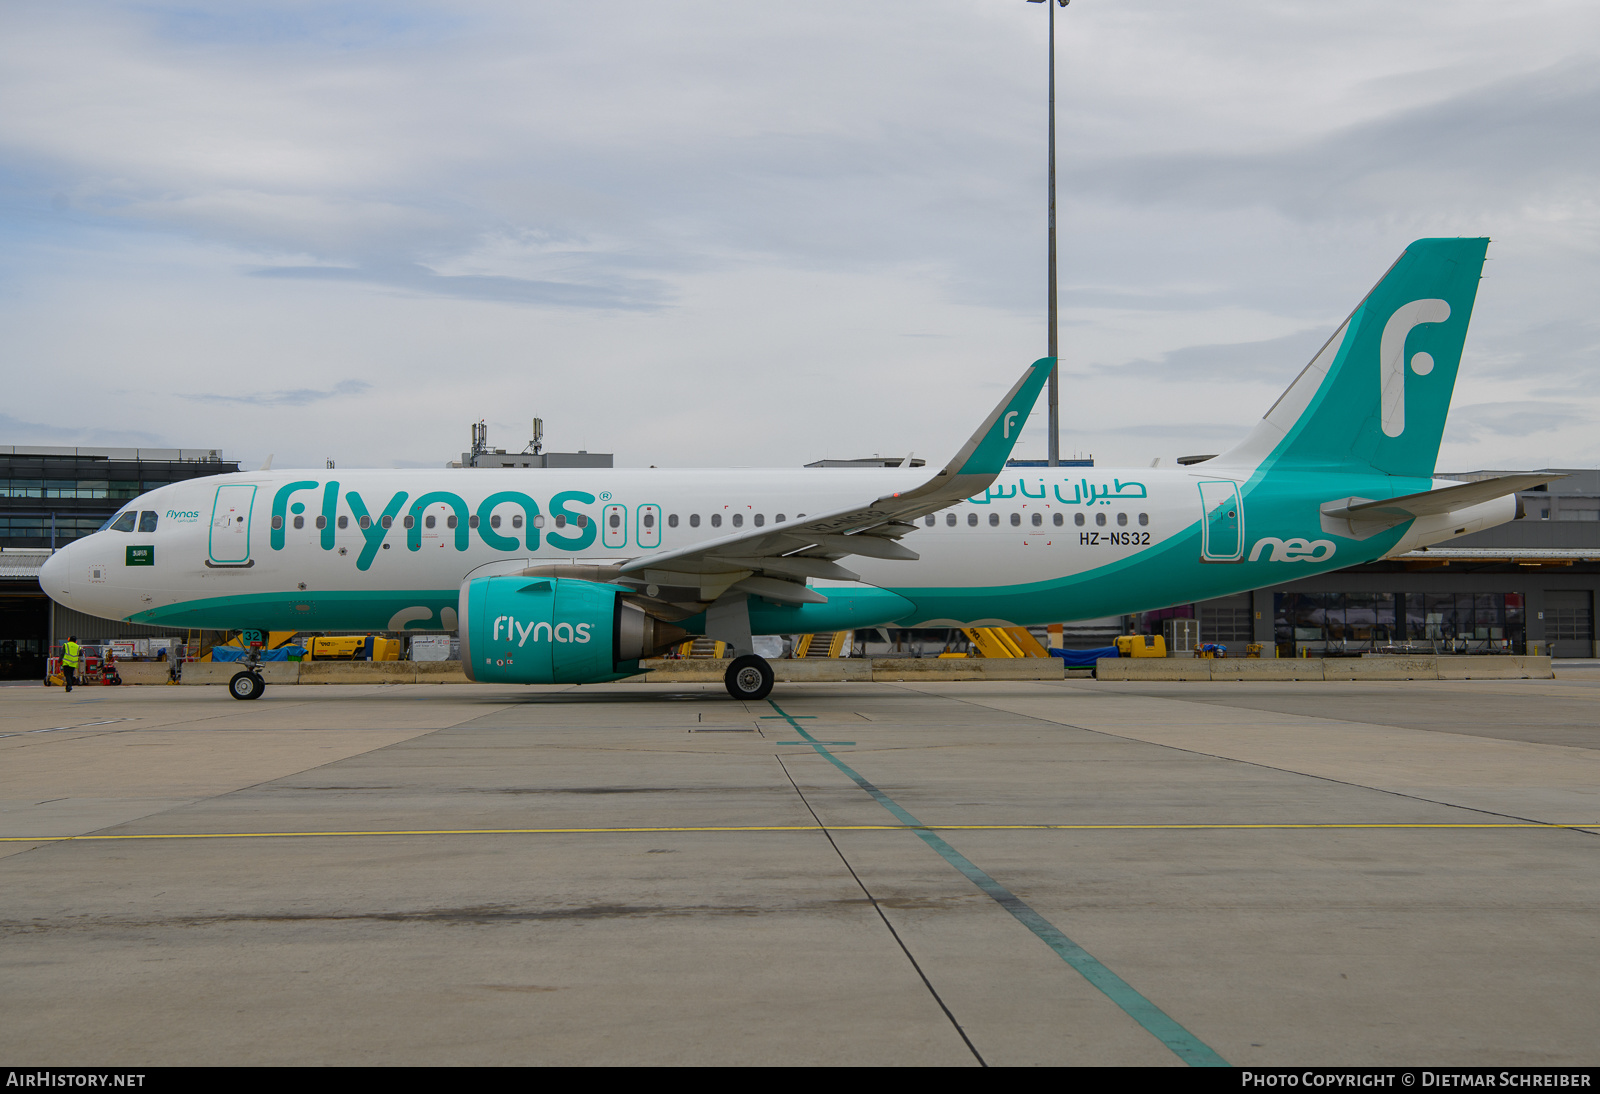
69,655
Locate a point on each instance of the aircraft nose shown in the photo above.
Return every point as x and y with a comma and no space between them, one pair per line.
55,576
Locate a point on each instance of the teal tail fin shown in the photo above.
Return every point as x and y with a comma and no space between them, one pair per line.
1376,396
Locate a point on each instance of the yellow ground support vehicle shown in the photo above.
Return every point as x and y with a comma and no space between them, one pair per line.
353,647
1141,645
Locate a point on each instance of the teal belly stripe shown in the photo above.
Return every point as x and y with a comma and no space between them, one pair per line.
1185,1045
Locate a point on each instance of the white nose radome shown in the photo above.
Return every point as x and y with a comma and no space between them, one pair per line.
55,576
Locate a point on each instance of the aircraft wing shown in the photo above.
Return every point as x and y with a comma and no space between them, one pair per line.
775,562
1430,502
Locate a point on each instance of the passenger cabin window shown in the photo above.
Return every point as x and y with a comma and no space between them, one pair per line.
583,521
428,521
1016,520
147,521
410,521
451,521
1077,518
322,522
1058,520
779,518
1038,519
694,520
1100,519
994,520
344,522
387,522
299,522
672,520
472,521
538,521
760,520
1122,520
516,520
716,520
125,522
1144,519
972,520
277,522
738,520
929,520
950,519
494,521
561,522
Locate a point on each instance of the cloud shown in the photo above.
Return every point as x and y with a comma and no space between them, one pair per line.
1270,360
1508,141
1524,418
701,233
18,431
624,294
297,397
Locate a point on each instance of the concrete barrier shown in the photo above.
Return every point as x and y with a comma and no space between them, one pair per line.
1153,668
903,669
1328,668
1253,668
1495,668
142,672
439,672
710,670
220,672
358,672
1379,668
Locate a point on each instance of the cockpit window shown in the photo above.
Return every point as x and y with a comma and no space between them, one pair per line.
125,522
147,521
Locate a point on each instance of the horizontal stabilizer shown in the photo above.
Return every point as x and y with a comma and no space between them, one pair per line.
1431,502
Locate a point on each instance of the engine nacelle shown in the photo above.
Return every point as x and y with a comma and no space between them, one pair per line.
550,630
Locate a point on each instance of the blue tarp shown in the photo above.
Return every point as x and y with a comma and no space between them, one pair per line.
1084,659
238,653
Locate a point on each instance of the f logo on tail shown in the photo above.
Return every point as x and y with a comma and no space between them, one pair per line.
1011,416
1392,358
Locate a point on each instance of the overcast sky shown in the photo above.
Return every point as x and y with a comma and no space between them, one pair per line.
706,233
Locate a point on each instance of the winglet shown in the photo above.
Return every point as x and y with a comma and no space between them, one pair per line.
984,455
989,448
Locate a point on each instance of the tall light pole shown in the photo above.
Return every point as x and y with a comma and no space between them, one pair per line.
1054,453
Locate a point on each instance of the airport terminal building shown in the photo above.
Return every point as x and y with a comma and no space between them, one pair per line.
50,496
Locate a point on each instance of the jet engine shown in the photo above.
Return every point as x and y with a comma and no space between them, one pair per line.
551,630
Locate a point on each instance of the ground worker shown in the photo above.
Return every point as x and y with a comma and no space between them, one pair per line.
70,655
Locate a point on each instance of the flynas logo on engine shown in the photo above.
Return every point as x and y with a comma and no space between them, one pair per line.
561,632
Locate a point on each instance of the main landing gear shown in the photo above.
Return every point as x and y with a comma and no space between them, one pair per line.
246,685
749,677
728,620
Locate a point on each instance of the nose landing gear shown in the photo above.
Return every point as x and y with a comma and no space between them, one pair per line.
246,685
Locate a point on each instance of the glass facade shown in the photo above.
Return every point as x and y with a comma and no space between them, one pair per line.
51,500
1368,621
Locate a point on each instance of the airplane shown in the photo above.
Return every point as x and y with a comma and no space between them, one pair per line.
572,576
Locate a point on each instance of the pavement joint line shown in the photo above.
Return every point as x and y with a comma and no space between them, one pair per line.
1166,1029
734,829
1273,767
